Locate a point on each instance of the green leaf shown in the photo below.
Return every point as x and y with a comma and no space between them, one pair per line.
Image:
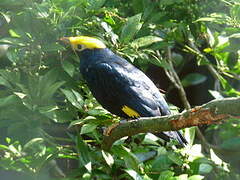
4,82
68,67
13,55
134,174
74,98
51,90
87,128
215,94
208,19
98,111
234,43
145,41
12,41
8,140
14,34
205,168
9,100
49,111
196,177
215,158
52,47
14,150
131,27
161,163
189,134
145,177
84,154
193,79
130,159
45,86
150,139
175,158
166,175
3,147
33,142
95,4
11,3
144,156
108,158
3,49
81,121
182,177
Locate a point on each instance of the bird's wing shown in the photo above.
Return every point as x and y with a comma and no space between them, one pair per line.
128,87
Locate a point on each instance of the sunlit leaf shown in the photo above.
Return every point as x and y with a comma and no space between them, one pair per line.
215,94
182,177
108,158
14,34
86,128
189,134
215,158
12,41
166,175
3,147
131,27
33,142
74,97
134,174
81,121
145,41
196,177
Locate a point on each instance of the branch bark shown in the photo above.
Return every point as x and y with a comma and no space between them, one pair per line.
209,113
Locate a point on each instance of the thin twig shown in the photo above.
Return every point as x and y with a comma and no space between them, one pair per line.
177,83
176,80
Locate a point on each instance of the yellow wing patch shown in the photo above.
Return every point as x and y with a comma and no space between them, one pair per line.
130,112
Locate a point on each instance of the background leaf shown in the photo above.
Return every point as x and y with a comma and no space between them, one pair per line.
131,27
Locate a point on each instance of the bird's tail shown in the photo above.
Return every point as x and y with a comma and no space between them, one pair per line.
173,135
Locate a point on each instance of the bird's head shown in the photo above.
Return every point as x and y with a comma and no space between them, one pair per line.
80,43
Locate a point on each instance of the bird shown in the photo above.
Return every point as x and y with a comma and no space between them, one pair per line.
119,86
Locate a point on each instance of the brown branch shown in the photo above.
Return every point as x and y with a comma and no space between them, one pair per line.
210,113
173,76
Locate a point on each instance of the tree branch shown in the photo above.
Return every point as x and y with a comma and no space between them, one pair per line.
210,113
173,76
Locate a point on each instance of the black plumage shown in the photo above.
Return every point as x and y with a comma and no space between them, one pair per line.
116,84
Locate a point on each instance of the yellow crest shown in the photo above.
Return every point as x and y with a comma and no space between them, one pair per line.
85,42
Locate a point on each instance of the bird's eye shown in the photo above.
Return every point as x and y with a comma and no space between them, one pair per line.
79,47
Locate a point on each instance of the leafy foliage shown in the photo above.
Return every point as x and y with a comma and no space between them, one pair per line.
51,125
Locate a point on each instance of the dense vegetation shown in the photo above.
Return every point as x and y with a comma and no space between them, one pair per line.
50,124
